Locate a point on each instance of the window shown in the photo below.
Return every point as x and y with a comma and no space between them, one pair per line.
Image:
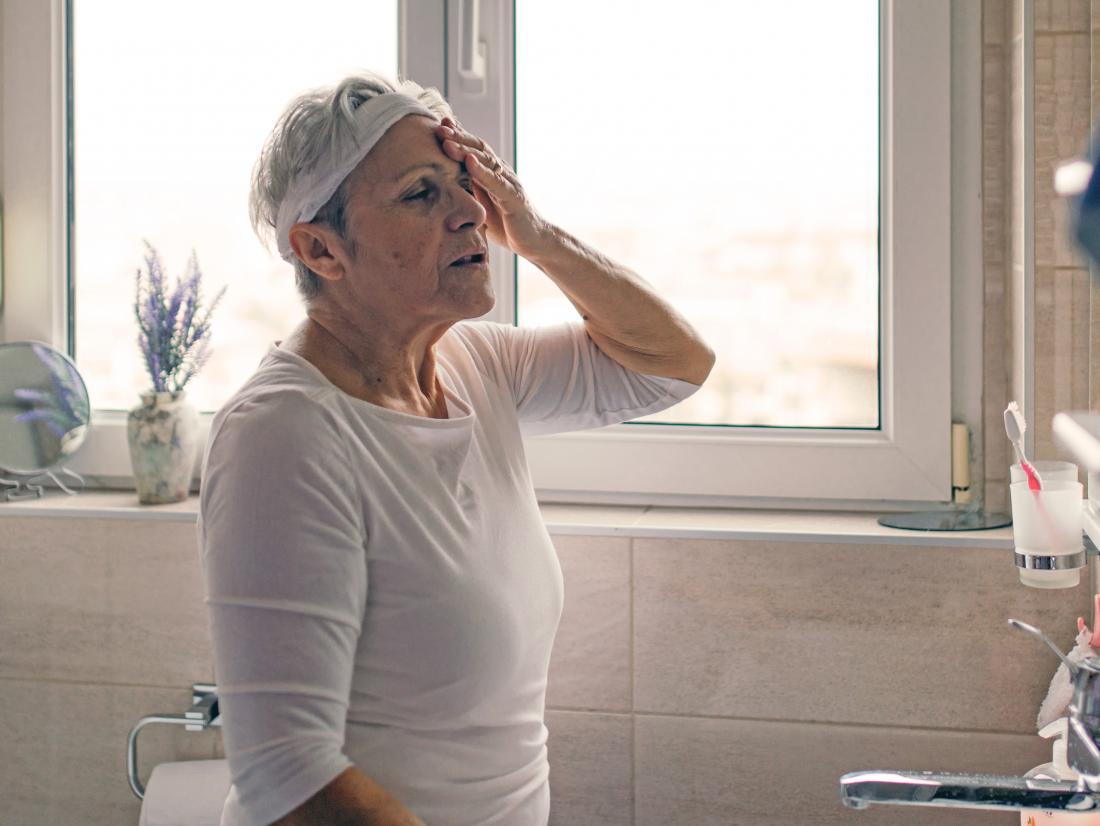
751,206
169,114
890,443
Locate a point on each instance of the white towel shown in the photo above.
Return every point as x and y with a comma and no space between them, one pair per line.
1060,692
188,793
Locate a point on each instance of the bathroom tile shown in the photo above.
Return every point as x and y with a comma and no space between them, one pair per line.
997,193
995,179
710,772
1095,44
590,664
1062,15
1079,298
1062,310
996,448
64,749
1048,367
590,769
880,635
994,21
993,212
996,496
102,600
1063,118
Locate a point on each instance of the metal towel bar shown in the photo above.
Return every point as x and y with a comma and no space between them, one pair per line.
202,715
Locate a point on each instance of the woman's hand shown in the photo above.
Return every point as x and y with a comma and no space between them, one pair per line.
511,220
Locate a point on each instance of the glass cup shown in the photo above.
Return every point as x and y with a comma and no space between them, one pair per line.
1049,470
1048,523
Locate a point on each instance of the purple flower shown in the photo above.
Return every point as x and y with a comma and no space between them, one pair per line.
173,333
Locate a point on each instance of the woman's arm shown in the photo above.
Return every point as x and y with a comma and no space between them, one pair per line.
351,799
622,314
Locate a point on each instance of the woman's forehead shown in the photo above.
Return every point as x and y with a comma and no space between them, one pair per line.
408,142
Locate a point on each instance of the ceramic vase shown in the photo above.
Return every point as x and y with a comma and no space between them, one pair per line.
163,432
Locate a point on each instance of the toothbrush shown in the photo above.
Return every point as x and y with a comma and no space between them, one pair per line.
1015,427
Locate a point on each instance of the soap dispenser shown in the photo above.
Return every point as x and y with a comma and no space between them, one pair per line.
1057,769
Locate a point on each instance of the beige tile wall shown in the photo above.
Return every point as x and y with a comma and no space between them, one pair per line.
1063,120
999,194
762,672
692,681
1064,341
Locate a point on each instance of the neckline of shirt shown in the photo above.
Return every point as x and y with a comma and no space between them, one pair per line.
459,413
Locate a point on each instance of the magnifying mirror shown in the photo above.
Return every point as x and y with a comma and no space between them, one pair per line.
44,414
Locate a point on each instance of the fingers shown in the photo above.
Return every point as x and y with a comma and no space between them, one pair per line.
458,143
452,130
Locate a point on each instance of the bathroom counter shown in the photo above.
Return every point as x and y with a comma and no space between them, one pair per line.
588,520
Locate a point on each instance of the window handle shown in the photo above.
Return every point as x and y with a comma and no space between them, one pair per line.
471,48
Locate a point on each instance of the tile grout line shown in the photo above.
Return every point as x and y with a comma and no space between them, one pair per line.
793,722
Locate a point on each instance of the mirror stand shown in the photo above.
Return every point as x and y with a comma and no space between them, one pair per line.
16,487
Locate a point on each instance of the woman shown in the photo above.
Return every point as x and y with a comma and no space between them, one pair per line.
383,595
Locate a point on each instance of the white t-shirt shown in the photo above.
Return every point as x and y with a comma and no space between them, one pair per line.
382,590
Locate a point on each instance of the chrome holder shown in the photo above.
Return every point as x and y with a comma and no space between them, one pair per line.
202,715
1061,562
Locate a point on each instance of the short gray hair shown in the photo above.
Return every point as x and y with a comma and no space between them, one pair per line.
310,124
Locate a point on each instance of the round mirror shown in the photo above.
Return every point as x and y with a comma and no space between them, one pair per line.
44,409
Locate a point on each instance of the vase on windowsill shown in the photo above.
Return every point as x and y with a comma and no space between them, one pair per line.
174,337
163,432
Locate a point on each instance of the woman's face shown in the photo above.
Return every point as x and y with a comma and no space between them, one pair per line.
412,215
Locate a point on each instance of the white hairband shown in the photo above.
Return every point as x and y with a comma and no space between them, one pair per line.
312,189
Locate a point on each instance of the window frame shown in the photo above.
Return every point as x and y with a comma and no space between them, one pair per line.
906,463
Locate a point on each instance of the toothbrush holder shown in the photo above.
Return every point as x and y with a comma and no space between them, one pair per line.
1047,527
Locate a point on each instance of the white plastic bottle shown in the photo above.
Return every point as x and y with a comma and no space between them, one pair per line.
1057,769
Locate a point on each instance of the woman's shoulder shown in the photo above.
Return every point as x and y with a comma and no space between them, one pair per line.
279,400
488,343
470,343
474,334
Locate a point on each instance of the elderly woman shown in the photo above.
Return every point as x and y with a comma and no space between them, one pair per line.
383,594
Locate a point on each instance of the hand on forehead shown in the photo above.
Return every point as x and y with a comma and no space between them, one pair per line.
410,143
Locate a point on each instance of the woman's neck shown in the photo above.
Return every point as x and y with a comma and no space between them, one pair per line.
392,369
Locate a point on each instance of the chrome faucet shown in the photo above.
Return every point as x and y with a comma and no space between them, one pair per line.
858,790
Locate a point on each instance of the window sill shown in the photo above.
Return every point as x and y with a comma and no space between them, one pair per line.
589,520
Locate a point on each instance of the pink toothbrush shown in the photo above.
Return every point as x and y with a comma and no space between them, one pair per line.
1015,427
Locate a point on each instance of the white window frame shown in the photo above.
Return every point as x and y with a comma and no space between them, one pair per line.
907,462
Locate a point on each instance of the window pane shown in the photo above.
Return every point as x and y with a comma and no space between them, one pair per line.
728,153
172,103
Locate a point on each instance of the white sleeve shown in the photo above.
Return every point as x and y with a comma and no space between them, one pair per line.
282,541
562,381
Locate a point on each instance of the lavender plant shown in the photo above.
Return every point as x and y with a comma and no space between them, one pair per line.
174,333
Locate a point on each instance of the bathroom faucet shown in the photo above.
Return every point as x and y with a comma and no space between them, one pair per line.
858,790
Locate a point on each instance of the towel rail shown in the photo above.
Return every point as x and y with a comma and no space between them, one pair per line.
202,715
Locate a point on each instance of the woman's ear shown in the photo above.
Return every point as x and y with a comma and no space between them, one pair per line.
318,248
